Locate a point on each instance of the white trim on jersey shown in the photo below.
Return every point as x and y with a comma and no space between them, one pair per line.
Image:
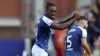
47,20
84,32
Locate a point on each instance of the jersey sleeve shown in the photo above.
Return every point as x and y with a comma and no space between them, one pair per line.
84,33
47,21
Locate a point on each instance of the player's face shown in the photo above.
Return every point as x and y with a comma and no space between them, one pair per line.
85,24
51,12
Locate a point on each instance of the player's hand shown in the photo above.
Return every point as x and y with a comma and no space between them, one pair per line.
76,15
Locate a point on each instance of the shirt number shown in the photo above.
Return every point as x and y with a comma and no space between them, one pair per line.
69,41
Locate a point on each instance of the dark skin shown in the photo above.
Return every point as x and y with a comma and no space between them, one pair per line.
60,24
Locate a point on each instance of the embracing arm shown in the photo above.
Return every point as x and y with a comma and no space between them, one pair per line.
58,26
66,19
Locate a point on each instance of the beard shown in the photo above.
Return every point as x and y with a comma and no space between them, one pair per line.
85,27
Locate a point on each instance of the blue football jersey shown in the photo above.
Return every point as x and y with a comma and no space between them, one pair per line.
43,32
73,38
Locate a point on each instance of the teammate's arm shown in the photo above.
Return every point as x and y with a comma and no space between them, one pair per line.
58,26
86,46
65,19
76,14
70,18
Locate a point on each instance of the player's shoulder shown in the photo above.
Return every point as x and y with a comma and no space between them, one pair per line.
47,20
82,29
43,19
83,32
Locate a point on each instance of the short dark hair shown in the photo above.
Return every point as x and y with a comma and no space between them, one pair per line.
49,4
82,18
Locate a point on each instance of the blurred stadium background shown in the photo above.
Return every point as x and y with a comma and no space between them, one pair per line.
18,19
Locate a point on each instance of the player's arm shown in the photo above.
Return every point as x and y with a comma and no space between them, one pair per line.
68,19
58,26
84,42
86,46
